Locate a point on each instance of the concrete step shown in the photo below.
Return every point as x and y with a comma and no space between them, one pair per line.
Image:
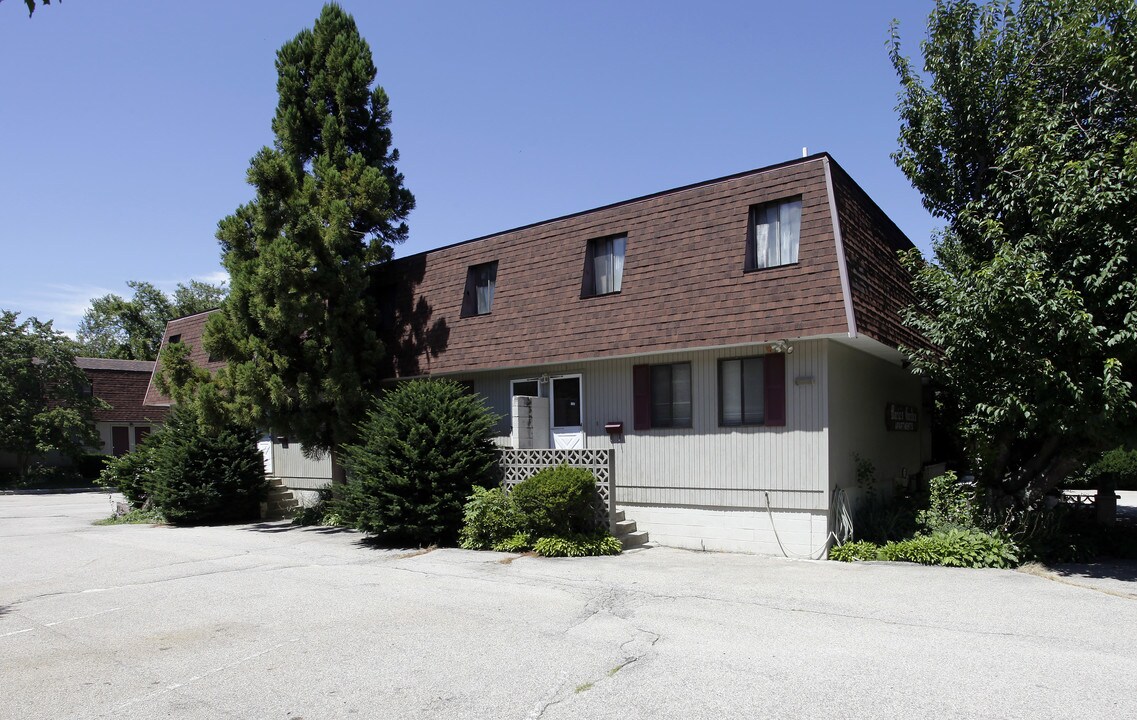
618,516
624,527
634,539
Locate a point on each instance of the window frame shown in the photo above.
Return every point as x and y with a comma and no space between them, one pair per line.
643,386
750,262
470,304
588,286
741,391
773,386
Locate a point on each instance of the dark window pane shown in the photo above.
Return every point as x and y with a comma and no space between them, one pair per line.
566,402
681,395
661,396
525,387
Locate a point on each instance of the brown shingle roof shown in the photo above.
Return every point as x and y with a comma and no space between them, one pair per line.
113,364
684,283
190,329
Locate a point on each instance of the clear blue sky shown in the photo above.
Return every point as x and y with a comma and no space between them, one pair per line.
126,127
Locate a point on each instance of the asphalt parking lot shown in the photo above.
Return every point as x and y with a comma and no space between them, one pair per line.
271,621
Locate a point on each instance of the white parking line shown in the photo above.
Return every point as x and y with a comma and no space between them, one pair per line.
60,622
174,686
81,617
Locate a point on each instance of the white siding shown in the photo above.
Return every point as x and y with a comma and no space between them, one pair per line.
298,471
704,466
860,386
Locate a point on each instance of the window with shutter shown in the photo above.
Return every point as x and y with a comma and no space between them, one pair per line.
662,395
752,391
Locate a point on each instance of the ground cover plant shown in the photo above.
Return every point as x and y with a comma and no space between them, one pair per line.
550,513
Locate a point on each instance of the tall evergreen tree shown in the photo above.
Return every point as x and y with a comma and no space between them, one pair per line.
299,328
1021,133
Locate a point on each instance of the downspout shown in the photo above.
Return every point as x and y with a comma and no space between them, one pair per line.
842,267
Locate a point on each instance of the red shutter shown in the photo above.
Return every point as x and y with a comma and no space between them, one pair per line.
641,392
775,375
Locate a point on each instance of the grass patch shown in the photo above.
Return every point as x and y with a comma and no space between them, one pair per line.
584,687
134,517
619,667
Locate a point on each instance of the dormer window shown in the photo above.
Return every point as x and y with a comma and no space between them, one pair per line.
480,281
174,339
604,266
775,230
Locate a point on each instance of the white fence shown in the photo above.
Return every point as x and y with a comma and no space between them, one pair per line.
518,465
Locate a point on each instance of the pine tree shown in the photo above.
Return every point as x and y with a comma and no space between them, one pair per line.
299,328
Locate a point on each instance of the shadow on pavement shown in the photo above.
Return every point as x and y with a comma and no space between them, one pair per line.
283,526
1124,570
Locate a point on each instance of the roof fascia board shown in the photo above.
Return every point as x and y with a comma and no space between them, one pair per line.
842,267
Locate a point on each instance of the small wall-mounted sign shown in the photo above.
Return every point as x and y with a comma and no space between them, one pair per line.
902,418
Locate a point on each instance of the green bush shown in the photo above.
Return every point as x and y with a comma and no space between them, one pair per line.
518,542
601,543
955,547
92,465
1118,468
424,446
314,514
205,475
951,504
489,519
859,550
556,502
132,473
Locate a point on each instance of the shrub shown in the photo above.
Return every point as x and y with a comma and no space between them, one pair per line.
489,519
556,502
424,446
859,550
131,474
205,475
955,547
315,513
518,542
1116,468
950,504
92,465
601,543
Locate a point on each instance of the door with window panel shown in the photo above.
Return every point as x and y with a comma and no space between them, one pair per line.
567,408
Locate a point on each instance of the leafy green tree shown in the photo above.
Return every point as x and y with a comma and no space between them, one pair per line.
114,327
45,400
299,331
1021,133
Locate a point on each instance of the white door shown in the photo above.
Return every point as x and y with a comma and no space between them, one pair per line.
567,410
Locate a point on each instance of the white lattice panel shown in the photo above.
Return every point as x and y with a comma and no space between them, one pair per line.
518,465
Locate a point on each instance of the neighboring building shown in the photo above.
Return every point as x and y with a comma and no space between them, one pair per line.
734,342
122,385
285,462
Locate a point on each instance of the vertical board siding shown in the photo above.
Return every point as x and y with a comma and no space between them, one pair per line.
862,385
297,471
704,465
